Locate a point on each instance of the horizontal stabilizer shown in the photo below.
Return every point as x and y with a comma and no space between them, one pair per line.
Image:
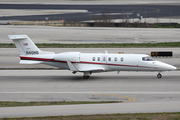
30,62
14,37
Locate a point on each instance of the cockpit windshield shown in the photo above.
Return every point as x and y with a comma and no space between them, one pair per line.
148,58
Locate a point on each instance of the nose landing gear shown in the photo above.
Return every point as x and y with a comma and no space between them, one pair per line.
159,75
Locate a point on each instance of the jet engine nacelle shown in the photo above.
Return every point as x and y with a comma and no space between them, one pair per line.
68,56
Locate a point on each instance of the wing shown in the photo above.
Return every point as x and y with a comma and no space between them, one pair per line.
92,69
73,68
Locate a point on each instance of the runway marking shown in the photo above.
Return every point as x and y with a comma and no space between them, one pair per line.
129,99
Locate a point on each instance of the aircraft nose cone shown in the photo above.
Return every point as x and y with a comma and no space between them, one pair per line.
170,67
174,68
166,66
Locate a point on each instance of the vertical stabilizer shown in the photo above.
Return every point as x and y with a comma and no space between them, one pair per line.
26,46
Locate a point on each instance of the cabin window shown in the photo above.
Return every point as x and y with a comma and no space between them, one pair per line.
115,59
93,58
109,58
122,59
98,58
104,58
147,59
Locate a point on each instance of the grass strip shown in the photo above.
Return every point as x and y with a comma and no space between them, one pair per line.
16,104
98,45
129,116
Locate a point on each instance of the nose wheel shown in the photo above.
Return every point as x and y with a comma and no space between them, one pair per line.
159,75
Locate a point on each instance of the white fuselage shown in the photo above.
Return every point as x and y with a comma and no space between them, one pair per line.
103,62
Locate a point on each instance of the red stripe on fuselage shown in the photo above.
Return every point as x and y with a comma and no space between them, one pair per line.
52,60
40,59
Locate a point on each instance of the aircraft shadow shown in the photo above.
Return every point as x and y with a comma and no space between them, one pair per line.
79,78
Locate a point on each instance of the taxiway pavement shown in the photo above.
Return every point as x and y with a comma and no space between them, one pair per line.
139,92
78,35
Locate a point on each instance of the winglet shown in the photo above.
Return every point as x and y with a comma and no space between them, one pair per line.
71,66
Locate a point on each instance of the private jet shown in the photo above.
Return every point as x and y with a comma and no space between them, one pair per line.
87,63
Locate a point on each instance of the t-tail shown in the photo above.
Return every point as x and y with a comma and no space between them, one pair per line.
27,48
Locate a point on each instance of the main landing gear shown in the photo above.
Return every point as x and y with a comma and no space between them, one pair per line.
159,75
86,75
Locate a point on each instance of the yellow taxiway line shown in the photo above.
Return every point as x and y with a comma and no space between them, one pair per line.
129,99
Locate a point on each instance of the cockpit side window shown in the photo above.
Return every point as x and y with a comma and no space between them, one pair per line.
147,58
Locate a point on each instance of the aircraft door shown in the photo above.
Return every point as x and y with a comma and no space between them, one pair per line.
104,60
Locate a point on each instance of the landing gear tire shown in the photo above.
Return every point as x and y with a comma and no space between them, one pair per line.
85,77
159,76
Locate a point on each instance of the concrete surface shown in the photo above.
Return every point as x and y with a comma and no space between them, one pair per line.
141,92
48,34
59,85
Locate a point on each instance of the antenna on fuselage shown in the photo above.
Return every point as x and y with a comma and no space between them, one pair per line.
106,52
